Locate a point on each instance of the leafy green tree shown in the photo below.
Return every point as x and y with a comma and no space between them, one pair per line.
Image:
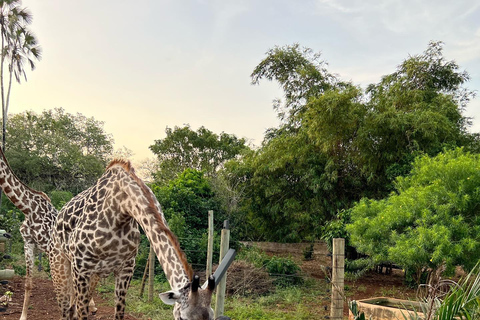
430,221
281,186
339,143
19,47
56,150
201,150
301,74
185,202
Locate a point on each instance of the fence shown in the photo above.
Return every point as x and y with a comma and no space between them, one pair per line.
329,266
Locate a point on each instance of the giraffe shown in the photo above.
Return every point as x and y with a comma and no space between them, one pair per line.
96,233
40,216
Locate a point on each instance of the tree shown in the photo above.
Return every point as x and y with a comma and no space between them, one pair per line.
339,143
300,73
56,150
201,150
19,47
186,202
430,221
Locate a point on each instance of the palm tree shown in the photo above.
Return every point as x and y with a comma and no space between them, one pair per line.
19,47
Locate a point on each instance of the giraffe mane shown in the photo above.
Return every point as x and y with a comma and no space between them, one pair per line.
152,209
40,193
125,164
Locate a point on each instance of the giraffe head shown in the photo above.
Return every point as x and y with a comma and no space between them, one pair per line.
192,302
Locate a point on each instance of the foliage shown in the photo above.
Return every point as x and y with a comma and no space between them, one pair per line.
285,270
186,202
201,150
11,221
19,47
339,143
461,302
357,315
60,198
253,255
301,74
308,252
56,150
287,190
431,220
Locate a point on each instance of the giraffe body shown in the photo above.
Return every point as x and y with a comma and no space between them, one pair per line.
40,215
96,233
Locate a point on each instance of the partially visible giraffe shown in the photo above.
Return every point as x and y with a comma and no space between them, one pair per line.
40,216
96,233
39,213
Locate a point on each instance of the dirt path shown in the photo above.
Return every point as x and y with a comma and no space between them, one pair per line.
43,305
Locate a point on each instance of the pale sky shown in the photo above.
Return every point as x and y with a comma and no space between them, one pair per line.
140,66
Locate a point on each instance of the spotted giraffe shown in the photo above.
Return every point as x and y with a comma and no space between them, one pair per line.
96,233
40,216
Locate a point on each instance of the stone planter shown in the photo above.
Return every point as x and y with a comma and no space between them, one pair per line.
382,308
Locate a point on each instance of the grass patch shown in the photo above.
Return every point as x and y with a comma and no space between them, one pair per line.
294,302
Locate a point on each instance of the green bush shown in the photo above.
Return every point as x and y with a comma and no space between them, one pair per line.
60,198
308,253
253,255
430,221
285,270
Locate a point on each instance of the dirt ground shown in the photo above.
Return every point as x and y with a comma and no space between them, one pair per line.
44,307
43,303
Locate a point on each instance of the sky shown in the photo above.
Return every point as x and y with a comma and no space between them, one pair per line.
142,66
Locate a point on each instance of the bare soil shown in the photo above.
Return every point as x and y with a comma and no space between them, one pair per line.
43,304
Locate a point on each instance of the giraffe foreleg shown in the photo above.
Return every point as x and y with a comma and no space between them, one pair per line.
82,288
122,282
29,259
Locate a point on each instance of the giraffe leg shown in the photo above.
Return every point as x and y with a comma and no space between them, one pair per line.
82,289
60,269
93,284
29,258
122,282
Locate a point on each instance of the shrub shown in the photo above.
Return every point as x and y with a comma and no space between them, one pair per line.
285,269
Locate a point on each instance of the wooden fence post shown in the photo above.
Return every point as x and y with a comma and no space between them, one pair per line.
338,272
144,278
210,243
221,287
151,273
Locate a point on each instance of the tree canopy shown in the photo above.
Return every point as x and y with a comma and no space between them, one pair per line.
56,150
201,150
186,201
339,143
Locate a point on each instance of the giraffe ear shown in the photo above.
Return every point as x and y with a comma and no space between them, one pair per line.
170,297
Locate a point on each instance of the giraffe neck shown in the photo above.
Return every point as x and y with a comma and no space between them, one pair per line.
24,198
142,205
